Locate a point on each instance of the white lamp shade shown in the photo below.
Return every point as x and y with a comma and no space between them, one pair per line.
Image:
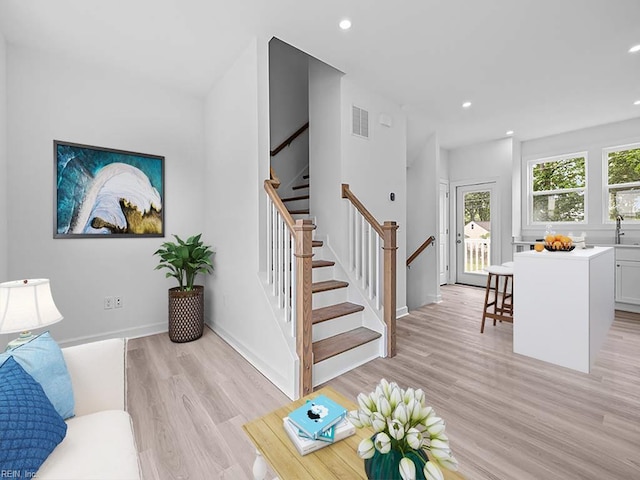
26,305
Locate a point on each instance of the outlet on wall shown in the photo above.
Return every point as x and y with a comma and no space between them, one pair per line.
108,303
118,302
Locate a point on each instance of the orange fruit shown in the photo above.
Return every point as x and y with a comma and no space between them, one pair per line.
550,239
557,245
538,247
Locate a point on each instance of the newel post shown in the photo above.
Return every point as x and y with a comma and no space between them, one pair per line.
390,248
303,254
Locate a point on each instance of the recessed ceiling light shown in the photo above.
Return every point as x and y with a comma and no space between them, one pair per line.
466,104
634,49
345,24
509,132
637,102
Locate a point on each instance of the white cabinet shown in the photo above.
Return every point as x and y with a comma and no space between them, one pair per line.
628,275
563,305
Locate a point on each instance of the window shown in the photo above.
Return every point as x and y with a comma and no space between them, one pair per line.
557,188
622,166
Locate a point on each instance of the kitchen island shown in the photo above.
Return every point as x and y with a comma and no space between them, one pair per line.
563,305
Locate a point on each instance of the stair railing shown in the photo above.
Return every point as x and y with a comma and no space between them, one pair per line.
289,252
290,139
372,257
420,249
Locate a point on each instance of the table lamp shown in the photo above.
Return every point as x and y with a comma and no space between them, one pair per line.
26,305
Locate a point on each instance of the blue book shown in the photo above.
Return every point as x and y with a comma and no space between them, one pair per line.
315,418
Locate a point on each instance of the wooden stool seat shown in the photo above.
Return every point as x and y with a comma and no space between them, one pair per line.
502,302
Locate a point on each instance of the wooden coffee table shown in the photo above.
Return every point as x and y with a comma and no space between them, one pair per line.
338,461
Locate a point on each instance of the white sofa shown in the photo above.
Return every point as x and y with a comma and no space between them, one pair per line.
100,443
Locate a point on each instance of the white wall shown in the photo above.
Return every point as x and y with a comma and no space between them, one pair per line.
376,167
51,98
3,160
236,139
489,161
423,182
325,156
289,110
592,140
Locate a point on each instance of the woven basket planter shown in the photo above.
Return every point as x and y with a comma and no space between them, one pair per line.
186,314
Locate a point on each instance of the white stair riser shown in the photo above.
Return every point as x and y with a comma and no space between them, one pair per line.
330,297
322,274
335,366
332,327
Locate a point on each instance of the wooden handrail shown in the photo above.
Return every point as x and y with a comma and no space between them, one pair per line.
348,194
288,141
388,232
275,181
275,198
420,249
302,246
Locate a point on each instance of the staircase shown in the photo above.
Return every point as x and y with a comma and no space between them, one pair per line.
339,314
337,323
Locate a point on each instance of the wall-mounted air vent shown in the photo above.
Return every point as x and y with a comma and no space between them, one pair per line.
360,122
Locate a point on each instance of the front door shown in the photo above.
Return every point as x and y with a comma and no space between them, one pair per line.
476,232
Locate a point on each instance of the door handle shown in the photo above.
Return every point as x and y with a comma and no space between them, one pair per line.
458,241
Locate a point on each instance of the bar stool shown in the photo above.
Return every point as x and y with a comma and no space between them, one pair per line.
502,303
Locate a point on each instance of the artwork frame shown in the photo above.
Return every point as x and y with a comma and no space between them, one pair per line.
103,192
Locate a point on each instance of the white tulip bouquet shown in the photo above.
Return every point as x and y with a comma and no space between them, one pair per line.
403,423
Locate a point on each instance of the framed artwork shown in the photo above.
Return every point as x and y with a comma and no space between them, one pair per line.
102,192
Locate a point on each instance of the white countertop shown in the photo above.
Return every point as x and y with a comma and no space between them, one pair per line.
575,254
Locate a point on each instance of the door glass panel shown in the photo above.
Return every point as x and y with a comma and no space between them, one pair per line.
477,230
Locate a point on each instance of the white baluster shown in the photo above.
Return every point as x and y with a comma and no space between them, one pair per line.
287,275
371,260
363,246
274,249
280,262
351,235
378,272
294,292
356,245
268,251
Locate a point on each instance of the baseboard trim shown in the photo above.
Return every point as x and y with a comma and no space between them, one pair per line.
282,383
401,312
133,332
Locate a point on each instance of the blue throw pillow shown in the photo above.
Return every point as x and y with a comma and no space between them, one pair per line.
42,358
30,428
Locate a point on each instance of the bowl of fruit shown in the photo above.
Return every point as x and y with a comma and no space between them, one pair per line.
558,243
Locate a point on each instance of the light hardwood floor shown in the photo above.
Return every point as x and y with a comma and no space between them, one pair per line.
508,417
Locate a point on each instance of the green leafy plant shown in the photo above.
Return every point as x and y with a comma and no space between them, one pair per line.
185,259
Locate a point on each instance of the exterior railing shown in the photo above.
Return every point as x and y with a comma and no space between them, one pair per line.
477,254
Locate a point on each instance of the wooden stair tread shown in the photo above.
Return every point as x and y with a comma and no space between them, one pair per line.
322,263
293,199
305,177
343,342
334,311
317,243
298,187
304,211
318,287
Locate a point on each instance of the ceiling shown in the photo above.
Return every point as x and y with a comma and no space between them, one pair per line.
537,67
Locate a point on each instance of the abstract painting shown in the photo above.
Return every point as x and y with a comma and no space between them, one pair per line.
102,192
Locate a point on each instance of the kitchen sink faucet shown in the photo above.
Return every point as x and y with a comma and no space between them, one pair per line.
618,232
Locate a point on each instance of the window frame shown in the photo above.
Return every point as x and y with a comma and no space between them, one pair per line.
605,182
530,193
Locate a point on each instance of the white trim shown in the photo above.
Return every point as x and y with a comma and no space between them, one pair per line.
134,332
402,312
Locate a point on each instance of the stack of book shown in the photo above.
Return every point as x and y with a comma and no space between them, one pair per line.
316,424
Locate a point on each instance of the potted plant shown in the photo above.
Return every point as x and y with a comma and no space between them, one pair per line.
184,260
